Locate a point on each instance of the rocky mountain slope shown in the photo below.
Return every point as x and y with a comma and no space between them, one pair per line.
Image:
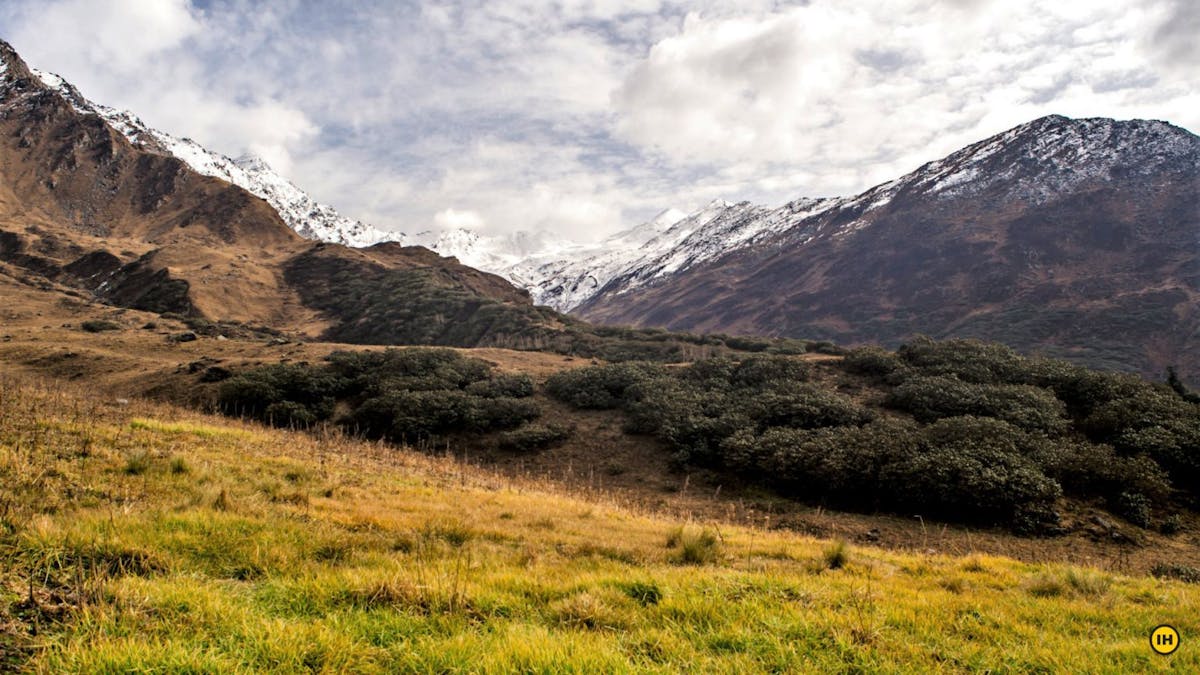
1078,238
84,207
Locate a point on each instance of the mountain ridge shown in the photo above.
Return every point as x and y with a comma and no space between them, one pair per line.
1024,236
1053,235
133,225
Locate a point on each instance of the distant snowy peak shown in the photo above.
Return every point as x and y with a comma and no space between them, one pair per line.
1029,164
662,246
663,221
252,163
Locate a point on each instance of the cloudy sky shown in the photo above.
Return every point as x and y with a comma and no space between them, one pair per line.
584,116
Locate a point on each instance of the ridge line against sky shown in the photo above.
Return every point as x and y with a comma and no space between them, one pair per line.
582,117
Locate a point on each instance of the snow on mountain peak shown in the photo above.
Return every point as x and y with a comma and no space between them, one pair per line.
301,212
1053,154
252,163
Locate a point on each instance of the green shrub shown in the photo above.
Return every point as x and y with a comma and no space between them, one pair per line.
1134,507
1185,573
1180,388
825,347
1082,390
872,361
713,373
246,395
760,371
289,414
929,399
842,464
599,387
1172,524
968,471
253,393
409,395
805,406
968,360
1157,423
503,386
487,414
745,344
1093,470
417,416
1148,408
533,437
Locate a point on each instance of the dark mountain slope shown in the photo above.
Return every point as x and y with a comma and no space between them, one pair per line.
1078,238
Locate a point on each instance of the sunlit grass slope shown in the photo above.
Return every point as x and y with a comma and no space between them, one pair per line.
148,539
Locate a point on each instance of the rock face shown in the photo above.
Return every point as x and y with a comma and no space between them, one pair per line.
91,206
1076,238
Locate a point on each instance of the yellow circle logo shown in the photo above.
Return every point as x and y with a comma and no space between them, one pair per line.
1164,640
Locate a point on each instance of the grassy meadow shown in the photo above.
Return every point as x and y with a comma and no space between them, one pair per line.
137,537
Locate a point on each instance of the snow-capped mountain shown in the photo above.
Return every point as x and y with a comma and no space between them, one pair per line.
558,273
1056,155
660,246
308,217
1076,238
1027,167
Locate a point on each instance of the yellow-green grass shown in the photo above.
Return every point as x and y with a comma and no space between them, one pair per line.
143,538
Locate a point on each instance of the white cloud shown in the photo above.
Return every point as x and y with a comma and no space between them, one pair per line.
120,34
846,94
452,219
583,116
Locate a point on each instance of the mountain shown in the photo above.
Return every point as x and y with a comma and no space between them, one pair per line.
558,273
309,218
94,203
1077,238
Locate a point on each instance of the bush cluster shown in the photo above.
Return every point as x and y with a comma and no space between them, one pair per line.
1112,435
600,387
931,398
408,396
979,433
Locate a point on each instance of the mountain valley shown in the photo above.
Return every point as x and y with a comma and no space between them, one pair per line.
948,424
